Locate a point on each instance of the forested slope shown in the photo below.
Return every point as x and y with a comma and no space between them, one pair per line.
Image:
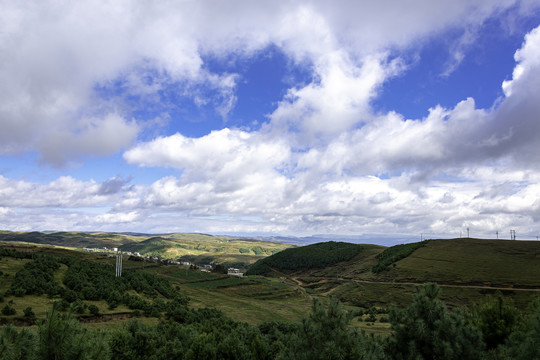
313,256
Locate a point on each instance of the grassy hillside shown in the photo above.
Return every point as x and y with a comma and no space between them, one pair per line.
251,300
393,254
467,269
192,247
68,239
502,263
201,248
475,262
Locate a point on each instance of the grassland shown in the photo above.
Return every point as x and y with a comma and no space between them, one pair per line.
68,239
497,263
468,271
199,248
252,300
206,248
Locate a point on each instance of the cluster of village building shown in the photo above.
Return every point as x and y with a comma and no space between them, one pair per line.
112,252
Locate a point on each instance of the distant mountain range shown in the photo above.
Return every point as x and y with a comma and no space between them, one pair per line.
384,240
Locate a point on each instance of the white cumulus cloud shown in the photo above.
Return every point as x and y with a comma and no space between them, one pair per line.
324,161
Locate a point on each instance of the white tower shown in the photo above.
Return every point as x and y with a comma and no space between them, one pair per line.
119,264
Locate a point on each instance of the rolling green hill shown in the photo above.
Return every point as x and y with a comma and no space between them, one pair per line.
366,276
467,269
69,239
38,277
203,248
238,252
499,263
315,256
68,293
475,262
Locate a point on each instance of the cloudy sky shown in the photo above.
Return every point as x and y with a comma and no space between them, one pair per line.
374,118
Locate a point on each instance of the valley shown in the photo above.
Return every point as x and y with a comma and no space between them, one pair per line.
282,286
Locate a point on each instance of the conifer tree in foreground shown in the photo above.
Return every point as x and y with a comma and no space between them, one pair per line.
427,330
326,334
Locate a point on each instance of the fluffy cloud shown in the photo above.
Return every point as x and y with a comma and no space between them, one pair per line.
229,171
495,201
76,76
336,102
56,55
516,120
436,174
64,192
222,154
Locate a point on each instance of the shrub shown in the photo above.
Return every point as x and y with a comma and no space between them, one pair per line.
36,277
112,305
19,292
496,320
371,318
94,310
61,305
29,313
258,250
8,310
219,269
427,330
78,306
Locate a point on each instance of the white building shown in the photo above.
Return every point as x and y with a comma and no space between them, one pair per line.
234,272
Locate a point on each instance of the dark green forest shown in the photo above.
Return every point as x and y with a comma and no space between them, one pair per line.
306,257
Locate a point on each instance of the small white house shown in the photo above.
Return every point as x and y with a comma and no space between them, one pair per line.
234,272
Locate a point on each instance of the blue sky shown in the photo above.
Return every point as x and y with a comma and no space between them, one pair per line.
297,118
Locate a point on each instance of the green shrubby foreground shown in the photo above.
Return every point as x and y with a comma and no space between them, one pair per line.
88,281
425,330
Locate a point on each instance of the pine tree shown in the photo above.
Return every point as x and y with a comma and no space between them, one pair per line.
326,334
60,337
16,345
427,330
496,320
524,344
